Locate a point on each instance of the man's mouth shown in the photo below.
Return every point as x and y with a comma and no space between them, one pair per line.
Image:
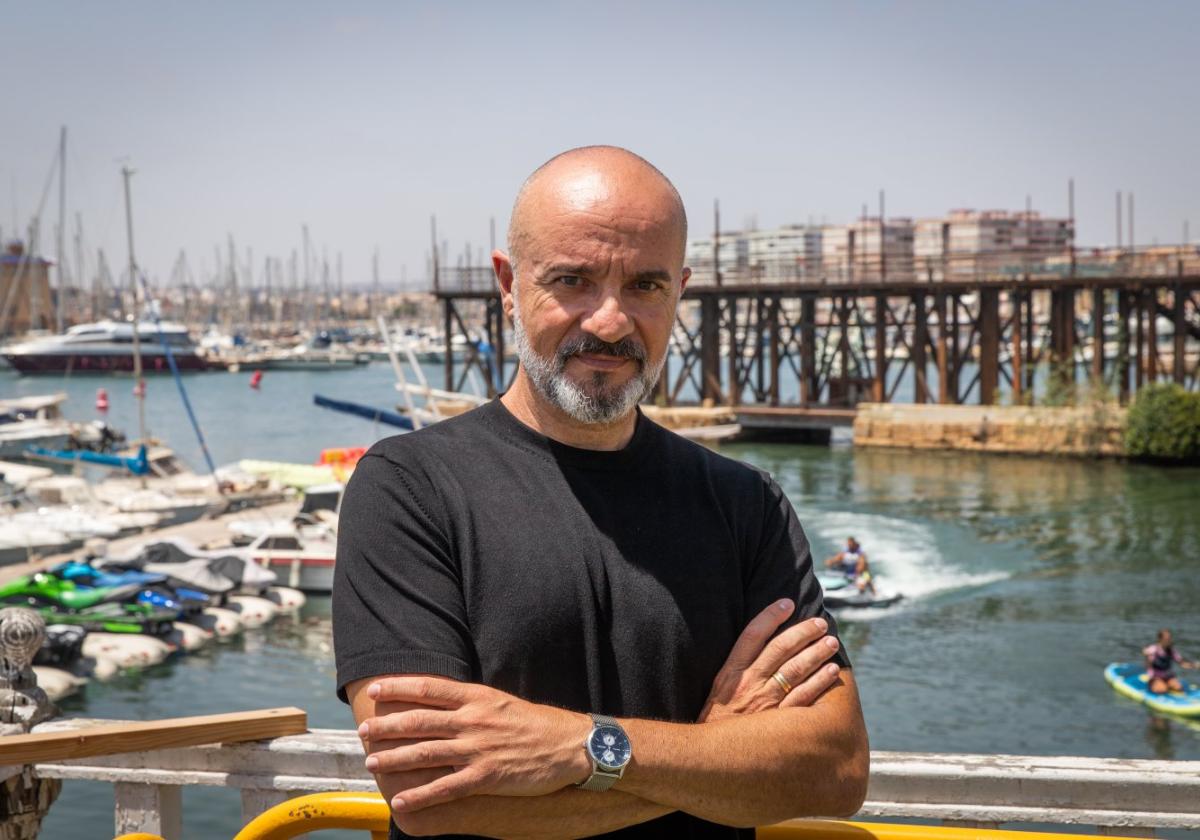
602,361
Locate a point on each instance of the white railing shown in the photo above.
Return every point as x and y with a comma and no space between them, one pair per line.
1118,796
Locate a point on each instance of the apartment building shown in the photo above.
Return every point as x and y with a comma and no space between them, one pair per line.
965,244
868,250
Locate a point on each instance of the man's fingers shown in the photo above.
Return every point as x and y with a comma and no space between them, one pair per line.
750,643
465,782
787,645
438,692
419,756
420,723
807,692
809,660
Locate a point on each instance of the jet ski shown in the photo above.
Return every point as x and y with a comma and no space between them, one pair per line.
840,591
43,588
156,592
211,572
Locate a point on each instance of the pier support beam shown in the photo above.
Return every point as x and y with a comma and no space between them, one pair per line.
1150,303
710,349
1016,350
1097,337
1179,354
881,354
809,387
1124,307
919,342
989,345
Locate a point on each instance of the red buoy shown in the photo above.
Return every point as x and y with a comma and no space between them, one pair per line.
101,399
139,389
256,379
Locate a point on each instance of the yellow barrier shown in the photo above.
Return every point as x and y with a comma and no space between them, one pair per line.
317,811
368,812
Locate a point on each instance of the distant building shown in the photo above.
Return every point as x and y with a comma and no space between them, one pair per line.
791,253
867,251
25,301
965,244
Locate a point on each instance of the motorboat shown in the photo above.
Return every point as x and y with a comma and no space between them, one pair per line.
106,347
301,556
23,541
33,421
318,353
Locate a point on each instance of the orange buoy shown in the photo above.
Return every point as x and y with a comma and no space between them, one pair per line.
101,399
256,379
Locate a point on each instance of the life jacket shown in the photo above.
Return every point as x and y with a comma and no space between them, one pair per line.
850,562
1162,658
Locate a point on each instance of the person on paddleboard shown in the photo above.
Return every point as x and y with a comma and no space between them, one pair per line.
852,562
1161,658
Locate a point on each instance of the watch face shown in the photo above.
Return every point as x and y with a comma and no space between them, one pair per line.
609,747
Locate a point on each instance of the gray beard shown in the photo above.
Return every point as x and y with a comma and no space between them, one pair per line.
593,403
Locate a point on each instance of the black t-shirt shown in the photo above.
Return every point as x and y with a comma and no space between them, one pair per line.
608,582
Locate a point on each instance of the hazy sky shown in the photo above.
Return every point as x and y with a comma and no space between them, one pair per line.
362,119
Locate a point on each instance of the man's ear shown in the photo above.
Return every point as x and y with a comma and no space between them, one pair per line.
502,265
687,275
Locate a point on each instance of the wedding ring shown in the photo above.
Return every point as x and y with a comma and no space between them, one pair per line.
783,683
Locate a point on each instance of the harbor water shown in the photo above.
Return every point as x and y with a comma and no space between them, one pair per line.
1023,578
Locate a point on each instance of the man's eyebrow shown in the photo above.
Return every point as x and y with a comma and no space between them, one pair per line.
559,269
657,275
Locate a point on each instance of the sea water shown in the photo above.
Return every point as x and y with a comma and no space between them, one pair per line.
1023,577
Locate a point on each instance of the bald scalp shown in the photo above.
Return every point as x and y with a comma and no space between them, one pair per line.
599,159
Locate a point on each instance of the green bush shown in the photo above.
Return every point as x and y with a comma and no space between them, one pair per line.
1164,424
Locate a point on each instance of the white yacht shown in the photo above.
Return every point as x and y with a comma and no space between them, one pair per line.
105,347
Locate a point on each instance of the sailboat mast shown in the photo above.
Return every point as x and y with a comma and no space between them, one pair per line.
139,386
62,203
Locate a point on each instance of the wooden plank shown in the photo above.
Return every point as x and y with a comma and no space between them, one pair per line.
153,735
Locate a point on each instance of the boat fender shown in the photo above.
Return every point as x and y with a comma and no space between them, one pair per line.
101,668
57,683
188,637
130,650
221,621
252,610
287,598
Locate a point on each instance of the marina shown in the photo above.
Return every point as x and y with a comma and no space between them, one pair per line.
907,293
996,557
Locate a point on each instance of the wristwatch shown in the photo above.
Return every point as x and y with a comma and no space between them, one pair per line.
608,747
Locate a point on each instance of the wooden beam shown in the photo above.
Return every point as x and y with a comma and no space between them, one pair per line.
1124,305
1180,351
110,739
920,339
881,358
989,345
942,350
1018,354
808,350
1097,337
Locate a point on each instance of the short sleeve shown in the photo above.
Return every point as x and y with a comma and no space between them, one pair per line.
398,605
783,566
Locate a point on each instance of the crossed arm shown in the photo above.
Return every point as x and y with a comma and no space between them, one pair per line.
463,758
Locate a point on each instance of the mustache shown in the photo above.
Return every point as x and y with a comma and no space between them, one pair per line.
626,348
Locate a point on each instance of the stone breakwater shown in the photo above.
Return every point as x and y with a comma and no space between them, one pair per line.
1094,430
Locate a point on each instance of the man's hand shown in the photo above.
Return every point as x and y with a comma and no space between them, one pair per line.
746,683
464,739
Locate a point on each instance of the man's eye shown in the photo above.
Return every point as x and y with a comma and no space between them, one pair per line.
570,280
648,285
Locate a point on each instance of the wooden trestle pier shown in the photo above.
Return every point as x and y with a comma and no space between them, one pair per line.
952,330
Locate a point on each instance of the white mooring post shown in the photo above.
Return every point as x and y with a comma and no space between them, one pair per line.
150,809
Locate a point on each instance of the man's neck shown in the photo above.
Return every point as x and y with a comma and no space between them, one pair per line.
526,404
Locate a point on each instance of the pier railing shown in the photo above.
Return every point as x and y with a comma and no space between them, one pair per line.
1117,796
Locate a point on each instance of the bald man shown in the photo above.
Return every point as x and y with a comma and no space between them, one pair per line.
554,618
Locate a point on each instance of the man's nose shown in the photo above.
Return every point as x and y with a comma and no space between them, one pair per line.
608,320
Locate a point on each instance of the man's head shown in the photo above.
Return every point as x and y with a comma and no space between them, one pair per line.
1164,637
592,279
852,543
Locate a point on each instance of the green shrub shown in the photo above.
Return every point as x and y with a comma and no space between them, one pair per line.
1164,424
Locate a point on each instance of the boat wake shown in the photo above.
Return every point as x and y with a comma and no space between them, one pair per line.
904,554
